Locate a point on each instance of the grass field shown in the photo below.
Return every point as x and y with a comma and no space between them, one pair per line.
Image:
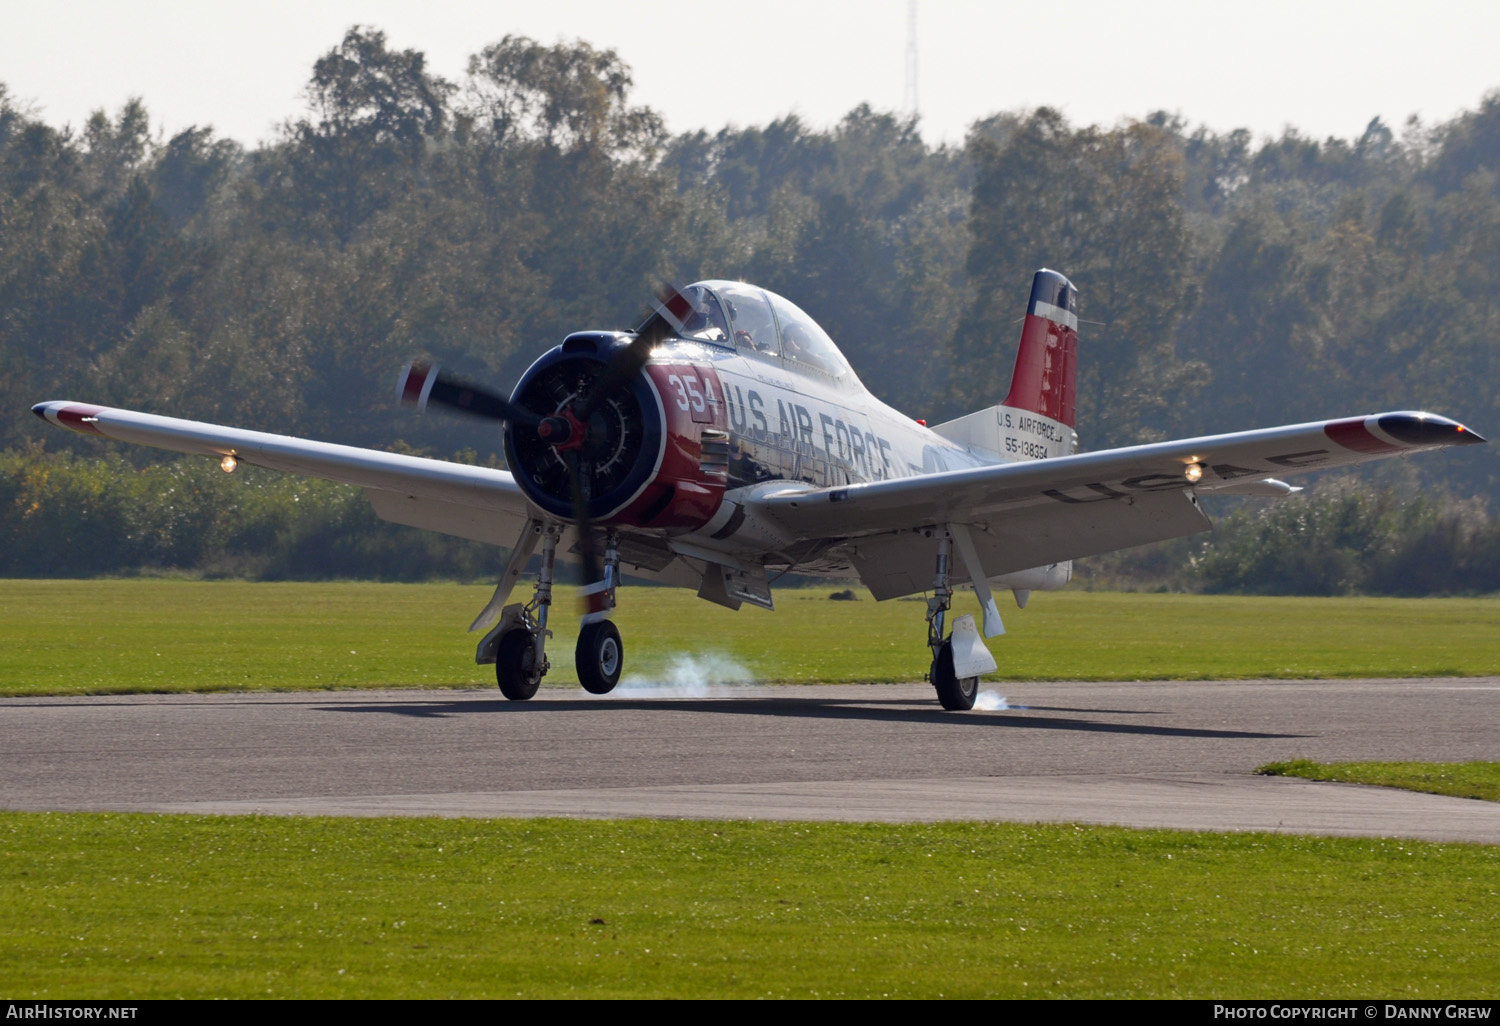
1458,779
134,906
163,635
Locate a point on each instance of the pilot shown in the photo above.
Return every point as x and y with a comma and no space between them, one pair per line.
744,338
706,321
719,330
797,346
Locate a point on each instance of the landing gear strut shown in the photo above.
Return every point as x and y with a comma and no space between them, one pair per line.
520,640
954,692
600,656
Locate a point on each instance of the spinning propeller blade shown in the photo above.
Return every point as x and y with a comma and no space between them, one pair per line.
670,309
587,548
424,384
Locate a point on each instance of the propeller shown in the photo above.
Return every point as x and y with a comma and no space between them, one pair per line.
566,429
424,383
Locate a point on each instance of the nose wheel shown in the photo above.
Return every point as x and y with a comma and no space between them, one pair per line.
599,657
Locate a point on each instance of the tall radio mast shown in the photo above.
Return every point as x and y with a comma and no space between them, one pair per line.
909,99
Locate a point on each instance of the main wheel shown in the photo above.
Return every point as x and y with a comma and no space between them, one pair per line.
599,657
955,693
515,665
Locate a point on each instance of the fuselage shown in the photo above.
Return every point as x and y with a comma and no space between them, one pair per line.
749,396
792,423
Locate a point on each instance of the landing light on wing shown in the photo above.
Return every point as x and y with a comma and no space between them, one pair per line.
1193,472
228,463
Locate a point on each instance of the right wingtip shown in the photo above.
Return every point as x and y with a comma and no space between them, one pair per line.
1416,428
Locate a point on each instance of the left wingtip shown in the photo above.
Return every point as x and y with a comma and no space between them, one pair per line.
1415,428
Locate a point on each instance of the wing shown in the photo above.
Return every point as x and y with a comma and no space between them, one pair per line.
1037,512
471,502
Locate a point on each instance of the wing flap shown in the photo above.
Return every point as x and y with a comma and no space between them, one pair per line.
896,564
462,520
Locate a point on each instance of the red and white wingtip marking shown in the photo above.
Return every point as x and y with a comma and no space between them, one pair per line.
1393,432
73,416
415,383
1362,434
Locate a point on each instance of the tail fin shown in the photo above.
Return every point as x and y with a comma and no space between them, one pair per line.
1037,418
1046,374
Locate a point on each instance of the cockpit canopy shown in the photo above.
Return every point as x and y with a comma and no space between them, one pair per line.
734,315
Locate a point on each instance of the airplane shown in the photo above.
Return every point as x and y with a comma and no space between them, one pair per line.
727,441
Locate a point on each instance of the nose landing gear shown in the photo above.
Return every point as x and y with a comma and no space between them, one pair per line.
599,657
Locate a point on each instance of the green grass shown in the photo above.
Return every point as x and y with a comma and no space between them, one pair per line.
67,637
135,906
1458,779
131,906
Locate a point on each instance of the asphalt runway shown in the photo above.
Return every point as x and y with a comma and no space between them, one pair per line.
1144,754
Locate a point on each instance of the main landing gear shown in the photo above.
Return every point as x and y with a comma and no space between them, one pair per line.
954,692
518,643
960,658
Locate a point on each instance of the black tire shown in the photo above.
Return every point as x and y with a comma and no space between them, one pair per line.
515,665
957,694
599,657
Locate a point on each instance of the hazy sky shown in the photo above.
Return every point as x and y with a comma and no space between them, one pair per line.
1325,66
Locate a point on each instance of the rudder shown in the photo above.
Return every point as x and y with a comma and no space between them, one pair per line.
1046,375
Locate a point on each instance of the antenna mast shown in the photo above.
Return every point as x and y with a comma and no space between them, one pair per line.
909,98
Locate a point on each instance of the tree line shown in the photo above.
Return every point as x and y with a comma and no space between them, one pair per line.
1225,282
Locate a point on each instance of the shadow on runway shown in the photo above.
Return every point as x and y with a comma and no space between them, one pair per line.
915,712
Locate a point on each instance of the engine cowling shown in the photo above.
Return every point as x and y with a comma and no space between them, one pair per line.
644,460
